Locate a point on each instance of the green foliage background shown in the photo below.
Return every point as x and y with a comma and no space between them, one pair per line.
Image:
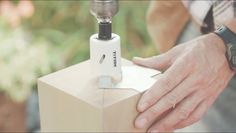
57,36
67,25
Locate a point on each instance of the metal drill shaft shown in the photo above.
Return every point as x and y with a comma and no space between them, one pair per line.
105,31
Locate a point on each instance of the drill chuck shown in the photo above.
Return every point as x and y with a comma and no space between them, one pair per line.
104,10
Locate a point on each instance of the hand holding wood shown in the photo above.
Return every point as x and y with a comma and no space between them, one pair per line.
195,74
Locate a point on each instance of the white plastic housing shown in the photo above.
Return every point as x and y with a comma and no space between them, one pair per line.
105,56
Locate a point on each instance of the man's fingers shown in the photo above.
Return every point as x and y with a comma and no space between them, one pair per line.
166,102
169,100
180,113
200,110
165,83
160,62
161,88
195,116
197,103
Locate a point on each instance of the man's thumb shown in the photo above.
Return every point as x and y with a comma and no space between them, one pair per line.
161,62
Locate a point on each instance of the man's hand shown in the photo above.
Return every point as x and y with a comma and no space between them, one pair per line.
195,74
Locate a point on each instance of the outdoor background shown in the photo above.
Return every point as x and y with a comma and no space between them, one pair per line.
40,37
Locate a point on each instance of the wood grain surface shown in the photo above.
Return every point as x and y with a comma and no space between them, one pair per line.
71,101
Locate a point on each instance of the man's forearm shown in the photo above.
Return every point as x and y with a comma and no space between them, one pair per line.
231,25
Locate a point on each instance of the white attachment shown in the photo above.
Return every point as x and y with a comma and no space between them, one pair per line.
105,59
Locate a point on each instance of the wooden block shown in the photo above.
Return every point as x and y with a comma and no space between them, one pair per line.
70,101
